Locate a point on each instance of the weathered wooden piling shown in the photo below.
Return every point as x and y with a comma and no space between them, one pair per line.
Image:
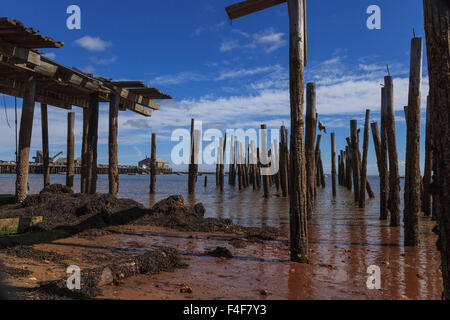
45,149
348,166
362,192
297,61
84,151
333,164
231,166
70,149
192,179
394,177
113,170
412,200
383,162
92,144
153,165
26,127
356,169
264,155
310,138
426,195
437,30
206,181
239,166
316,162
321,172
221,152
283,162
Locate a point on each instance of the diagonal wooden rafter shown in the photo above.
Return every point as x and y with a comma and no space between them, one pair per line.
250,6
247,7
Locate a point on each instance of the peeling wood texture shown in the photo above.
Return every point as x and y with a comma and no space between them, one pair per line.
310,138
26,127
297,183
354,140
70,149
437,30
412,194
250,6
153,165
384,171
394,177
45,149
362,192
113,170
333,164
426,195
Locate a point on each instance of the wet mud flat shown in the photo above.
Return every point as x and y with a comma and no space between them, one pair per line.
216,259
82,230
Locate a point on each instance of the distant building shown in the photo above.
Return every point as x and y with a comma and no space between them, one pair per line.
162,167
61,161
39,157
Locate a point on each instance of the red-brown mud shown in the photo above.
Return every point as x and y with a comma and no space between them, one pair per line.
344,242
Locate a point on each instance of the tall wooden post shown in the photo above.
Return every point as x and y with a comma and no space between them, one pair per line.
381,171
310,138
333,164
231,166
348,167
384,172
92,144
221,152
426,195
362,192
84,150
297,61
437,30
355,161
316,181
297,190
283,163
26,127
192,179
264,155
153,165
394,177
70,149
412,171
45,149
113,169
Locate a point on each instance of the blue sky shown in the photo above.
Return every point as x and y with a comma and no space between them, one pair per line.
227,75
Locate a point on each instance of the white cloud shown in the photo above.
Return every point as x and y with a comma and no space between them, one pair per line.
103,61
229,45
93,43
245,72
178,78
88,69
268,39
50,55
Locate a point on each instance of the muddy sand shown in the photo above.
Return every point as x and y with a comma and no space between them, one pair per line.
126,251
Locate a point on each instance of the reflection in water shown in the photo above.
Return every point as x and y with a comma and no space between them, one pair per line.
344,241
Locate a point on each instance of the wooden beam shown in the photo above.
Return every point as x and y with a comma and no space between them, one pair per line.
250,6
45,152
151,93
129,84
26,126
113,169
70,149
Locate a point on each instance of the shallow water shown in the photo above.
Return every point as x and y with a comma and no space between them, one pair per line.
344,239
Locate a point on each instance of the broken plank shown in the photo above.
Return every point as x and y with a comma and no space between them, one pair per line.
250,6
